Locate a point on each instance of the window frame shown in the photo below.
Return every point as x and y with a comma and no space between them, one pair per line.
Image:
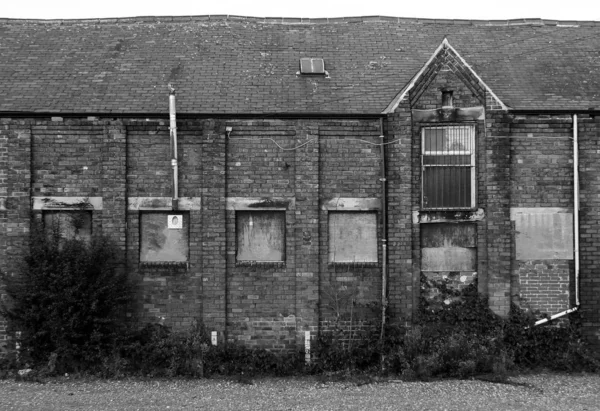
472,133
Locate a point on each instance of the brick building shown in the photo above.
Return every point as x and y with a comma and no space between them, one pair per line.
319,161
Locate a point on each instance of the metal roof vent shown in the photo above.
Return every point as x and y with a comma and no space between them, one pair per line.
312,66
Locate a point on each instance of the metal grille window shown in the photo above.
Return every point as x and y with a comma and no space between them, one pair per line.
448,167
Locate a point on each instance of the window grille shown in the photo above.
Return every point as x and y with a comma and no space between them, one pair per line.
448,167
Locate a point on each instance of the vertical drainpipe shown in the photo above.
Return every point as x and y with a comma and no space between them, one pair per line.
384,301
575,225
576,205
173,139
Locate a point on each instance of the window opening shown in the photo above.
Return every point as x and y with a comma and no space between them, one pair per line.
260,236
164,237
352,237
448,167
69,225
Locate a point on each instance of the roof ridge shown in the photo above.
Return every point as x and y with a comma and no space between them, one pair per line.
307,20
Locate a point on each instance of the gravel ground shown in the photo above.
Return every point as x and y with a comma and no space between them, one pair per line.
534,392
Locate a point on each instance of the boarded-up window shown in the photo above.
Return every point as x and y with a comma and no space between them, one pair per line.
352,237
70,225
448,165
164,237
260,236
448,247
543,233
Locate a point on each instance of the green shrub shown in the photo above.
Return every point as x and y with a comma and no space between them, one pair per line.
340,349
156,351
66,305
458,335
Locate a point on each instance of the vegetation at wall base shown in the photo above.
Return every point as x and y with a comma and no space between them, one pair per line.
65,307
68,300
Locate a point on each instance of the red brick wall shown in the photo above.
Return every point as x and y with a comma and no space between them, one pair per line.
271,305
589,180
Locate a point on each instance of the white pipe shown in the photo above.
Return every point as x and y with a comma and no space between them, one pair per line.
555,316
173,129
575,226
576,205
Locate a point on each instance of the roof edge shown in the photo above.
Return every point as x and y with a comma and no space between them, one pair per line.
185,115
306,20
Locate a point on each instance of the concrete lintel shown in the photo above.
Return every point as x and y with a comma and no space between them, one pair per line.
66,203
163,203
449,114
351,204
515,211
261,203
420,217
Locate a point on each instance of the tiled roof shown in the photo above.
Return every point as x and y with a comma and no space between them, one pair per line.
230,64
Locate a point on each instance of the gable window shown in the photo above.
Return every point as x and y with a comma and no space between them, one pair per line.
260,236
448,167
352,237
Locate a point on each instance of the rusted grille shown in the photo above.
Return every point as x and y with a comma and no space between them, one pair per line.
448,166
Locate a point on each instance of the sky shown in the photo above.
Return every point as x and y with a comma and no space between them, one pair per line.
436,9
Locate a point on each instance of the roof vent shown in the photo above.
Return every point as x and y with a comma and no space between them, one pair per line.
312,66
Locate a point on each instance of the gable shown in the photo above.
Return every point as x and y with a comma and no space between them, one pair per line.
446,70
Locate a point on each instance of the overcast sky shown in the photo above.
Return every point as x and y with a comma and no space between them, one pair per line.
448,9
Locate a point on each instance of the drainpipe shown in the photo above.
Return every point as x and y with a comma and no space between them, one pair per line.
173,130
384,301
575,225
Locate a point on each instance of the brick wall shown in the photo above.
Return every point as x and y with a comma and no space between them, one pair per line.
589,180
403,271
523,161
15,207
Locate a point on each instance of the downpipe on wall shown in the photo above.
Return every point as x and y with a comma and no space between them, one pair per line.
173,141
383,180
575,226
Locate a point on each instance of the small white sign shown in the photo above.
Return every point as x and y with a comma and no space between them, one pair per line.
213,338
175,221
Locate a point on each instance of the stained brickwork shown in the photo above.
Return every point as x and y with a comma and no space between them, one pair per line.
403,278
589,178
297,166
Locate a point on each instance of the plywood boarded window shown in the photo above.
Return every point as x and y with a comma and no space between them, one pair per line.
543,233
260,236
69,225
161,239
352,237
449,247
448,167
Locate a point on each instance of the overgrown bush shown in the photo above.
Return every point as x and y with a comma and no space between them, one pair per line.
458,335
346,350
65,307
156,351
